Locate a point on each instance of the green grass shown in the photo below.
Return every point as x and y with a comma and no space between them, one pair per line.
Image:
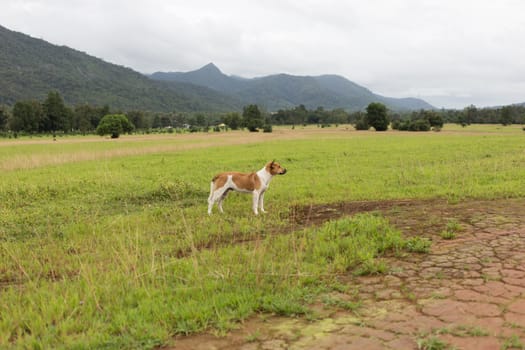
463,331
512,342
130,298
448,235
485,128
432,343
253,337
342,304
418,245
108,244
453,227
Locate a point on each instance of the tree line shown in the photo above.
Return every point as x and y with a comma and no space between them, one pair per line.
378,117
53,116
512,114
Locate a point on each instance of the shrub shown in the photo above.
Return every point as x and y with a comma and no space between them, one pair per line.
362,124
411,125
400,125
267,128
114,125
419,125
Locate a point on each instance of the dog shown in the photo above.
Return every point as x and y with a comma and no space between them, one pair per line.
255,183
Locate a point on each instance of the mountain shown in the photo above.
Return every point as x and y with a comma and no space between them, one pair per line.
209,76
283,91
30,68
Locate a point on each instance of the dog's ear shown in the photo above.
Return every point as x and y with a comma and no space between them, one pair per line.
273,161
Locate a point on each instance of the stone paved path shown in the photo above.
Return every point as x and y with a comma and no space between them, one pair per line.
467,293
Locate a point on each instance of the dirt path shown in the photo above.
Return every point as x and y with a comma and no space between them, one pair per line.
467,293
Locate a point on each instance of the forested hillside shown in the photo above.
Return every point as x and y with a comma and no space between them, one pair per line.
30,68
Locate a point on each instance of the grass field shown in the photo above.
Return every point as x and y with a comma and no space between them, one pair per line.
107,244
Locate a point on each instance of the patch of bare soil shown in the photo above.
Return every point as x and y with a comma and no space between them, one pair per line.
467,293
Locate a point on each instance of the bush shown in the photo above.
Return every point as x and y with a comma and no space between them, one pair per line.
267,128
399,125
419,125
362,124
114,125
411,125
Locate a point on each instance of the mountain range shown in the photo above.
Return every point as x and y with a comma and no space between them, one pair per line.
30,68
282,91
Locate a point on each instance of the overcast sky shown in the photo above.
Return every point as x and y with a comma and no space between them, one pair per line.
451,53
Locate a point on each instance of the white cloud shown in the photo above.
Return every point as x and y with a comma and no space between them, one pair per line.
451,53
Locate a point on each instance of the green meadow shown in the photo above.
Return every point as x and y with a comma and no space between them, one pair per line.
107,243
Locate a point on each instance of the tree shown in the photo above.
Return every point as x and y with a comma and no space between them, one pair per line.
101,112
114,125
300,114
138,119
376,116
356,116
434,119
156,124
252,118
200,119
506,115
468,116
165,121
27,116
82,117
362,123
179,120
55,113
3,117
233,120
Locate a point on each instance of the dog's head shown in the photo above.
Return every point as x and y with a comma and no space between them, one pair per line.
275,168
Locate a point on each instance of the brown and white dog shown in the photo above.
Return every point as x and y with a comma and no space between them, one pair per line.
255,183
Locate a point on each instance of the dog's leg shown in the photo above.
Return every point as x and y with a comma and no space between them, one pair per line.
210,206
255,202
221,199
218,196
210,198
261,202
